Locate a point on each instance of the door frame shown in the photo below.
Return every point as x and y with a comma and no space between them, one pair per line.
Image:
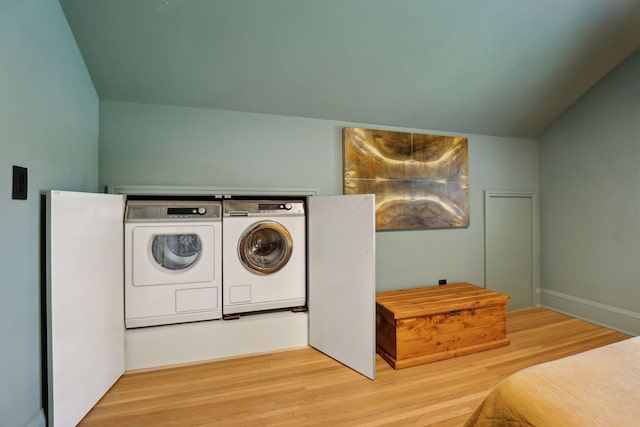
535,237
308,194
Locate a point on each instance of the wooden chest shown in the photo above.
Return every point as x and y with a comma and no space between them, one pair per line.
422,325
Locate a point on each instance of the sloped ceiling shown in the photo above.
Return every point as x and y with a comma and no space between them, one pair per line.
496,67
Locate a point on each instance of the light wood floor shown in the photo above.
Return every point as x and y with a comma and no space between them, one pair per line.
304,387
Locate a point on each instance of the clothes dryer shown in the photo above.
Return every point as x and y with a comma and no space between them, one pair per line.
173,262
264,255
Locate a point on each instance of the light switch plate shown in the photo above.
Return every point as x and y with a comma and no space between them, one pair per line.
19,183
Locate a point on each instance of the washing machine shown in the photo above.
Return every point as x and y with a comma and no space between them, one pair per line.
173,262
264,255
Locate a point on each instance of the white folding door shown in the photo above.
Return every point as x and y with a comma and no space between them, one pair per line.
84,301
342,291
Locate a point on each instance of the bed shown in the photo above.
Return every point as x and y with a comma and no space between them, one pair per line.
600,387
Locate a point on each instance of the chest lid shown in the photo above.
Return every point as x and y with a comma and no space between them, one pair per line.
428,300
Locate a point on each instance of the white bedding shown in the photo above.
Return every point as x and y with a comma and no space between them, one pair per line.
600,387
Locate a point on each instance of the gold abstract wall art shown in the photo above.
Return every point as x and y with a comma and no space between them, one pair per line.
420,181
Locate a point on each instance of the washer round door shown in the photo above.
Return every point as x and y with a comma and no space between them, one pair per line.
265,247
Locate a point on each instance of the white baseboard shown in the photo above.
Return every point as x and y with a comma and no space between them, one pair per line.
38,420
217,339
611,317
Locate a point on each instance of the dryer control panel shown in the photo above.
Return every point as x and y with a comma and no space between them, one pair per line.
172,211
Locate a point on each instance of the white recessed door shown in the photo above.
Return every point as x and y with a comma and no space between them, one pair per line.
510,265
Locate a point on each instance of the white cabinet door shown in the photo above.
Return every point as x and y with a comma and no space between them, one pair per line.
342,294
84,301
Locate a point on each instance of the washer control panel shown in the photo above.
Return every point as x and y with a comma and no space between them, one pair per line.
263,207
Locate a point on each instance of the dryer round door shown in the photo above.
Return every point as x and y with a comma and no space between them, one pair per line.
265,247
172,254
176,252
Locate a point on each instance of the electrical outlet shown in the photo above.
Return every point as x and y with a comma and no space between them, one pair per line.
19,183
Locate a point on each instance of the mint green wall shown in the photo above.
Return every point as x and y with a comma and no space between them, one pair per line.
590,203
49,124
151,144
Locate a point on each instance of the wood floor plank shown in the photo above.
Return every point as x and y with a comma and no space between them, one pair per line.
305,387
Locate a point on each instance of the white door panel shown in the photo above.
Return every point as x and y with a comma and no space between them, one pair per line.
84,301
342,293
